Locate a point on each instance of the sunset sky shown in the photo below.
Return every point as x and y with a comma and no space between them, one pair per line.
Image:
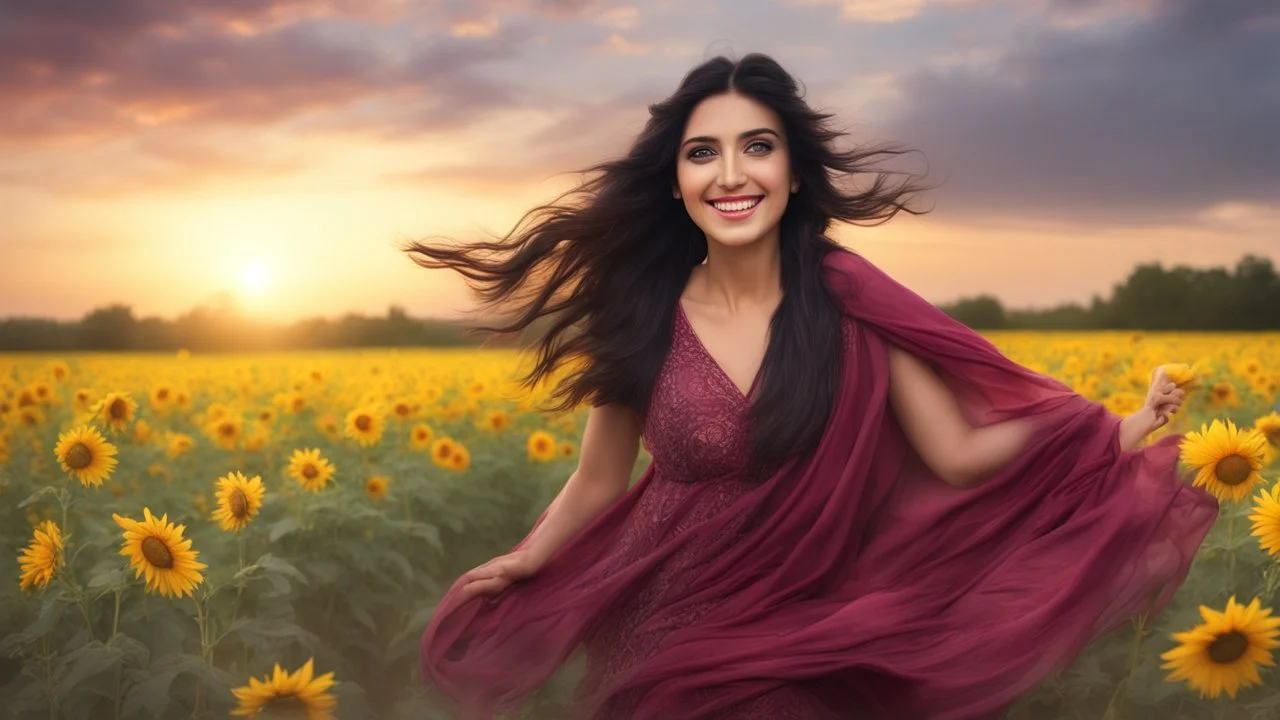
157,153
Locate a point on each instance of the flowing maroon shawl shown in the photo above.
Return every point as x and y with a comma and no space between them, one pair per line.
860,574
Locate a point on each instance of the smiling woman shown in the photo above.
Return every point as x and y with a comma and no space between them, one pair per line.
856,505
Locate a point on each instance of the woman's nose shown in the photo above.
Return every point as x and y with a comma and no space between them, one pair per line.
731,173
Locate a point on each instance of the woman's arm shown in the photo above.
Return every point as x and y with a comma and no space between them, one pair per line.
930,416
964,456
610,445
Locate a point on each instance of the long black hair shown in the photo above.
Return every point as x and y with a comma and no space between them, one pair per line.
607,262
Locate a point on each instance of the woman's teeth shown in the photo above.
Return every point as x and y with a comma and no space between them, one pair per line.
736,206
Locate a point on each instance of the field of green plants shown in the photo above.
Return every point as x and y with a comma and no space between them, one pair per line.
267,535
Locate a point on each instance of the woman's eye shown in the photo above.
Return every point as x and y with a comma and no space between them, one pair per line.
693,155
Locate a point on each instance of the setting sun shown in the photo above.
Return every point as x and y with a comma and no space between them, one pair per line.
254,279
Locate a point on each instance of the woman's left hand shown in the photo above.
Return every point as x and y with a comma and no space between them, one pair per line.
1164,397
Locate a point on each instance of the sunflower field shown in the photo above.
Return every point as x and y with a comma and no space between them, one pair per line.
267,535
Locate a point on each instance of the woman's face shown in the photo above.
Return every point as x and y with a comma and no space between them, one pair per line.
734,147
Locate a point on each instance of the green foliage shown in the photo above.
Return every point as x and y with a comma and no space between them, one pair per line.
1152,298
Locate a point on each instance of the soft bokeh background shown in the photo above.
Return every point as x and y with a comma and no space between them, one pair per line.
158,154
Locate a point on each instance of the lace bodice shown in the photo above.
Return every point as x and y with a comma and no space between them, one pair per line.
695,430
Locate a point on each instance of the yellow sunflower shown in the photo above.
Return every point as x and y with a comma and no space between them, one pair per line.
1223,394
420,436
178,443
364,426
161,398
1227,459
327,424
441,451
1269,426
1181,374
61,371
238,500
461,458
86,455
496,420
288,694
142,432
1224,652
541,446
40,560
1266,519
84,401
156,548
310,469
257,440
225,431
403,410
30,416
566,449
376,487
116,410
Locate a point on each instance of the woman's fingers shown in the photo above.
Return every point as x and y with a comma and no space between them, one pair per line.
487,586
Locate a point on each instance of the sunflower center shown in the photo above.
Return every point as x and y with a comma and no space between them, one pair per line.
156,552
1228,648
1273,435
118,409
1233,470
79,456
285,706
239,504
310,471
227,430
163,394
362,423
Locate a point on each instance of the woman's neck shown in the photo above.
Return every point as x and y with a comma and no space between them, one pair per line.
739,278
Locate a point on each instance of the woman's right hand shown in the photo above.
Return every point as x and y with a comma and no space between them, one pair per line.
497,575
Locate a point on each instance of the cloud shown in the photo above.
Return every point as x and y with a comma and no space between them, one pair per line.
81,70
1173,115
882,11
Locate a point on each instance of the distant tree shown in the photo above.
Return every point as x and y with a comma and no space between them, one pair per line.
983,312
109,328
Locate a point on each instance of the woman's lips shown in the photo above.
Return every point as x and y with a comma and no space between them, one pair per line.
737,214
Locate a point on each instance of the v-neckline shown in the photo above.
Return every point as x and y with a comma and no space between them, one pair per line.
720,368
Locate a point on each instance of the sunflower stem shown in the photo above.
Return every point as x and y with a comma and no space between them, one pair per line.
48,683
1231,551
82,600
235,606
62,500
202,621
115,625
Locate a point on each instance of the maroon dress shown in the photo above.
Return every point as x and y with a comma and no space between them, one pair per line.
695,434
854,583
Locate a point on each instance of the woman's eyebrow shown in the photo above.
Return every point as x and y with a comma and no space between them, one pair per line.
741,136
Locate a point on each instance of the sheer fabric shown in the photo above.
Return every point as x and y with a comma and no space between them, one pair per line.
852,584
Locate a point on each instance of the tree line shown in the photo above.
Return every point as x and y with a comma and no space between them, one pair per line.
1150,298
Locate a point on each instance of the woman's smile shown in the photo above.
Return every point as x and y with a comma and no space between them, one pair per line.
736,209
